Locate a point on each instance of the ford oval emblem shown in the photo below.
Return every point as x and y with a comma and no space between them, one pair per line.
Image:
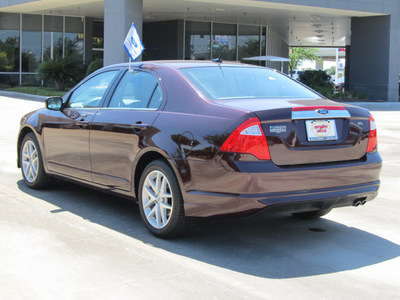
322,112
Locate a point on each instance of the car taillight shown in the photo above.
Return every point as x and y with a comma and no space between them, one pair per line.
373,139
248,138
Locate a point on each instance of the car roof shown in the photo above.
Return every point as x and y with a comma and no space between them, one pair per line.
179,64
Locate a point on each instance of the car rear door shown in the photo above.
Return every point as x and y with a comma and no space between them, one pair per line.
66,132
123,127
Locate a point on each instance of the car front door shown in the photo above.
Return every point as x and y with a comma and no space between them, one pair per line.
66,133
122,128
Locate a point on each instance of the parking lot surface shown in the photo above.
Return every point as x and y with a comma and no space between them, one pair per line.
70,242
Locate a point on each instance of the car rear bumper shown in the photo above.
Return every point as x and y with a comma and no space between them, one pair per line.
285,190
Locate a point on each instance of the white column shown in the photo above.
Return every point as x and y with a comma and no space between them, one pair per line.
118,17
394,58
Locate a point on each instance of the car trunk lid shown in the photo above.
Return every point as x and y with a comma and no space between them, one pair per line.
312,132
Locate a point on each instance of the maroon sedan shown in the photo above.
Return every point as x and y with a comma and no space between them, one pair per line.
199,139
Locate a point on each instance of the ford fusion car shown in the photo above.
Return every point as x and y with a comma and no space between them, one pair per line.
191,139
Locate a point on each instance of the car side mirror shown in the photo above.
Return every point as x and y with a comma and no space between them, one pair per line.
54,103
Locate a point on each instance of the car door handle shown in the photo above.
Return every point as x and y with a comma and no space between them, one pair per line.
82,123
139,126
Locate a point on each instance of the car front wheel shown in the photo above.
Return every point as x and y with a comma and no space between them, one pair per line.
31,163
161,202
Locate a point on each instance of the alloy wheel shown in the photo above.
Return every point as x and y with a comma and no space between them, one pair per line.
157,199
30,161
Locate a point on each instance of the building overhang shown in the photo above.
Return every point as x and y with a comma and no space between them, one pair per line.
298,25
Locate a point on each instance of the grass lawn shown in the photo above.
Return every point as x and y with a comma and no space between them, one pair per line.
37,90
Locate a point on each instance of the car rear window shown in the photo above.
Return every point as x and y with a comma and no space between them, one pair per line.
224,83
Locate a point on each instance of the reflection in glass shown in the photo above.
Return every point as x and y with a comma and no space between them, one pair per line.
239,83
98,34
9,42
263,44
92,91
197,40
30,79
7,80
52,37
31,42
73,42
249,41
98,40
135,91
224,40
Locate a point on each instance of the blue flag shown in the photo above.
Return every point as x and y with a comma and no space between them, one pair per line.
132,44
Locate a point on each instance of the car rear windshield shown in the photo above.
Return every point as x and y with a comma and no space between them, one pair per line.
224,83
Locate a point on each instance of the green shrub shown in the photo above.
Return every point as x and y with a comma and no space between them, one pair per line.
356,95
61,70
319,81
94,66
324,90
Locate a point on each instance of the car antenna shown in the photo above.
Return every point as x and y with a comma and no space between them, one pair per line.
219,59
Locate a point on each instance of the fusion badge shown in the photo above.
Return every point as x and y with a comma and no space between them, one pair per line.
277,128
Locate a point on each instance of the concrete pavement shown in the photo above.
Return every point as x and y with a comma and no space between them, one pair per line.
70,242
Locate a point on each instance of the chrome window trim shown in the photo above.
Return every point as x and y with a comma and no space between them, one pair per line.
127,108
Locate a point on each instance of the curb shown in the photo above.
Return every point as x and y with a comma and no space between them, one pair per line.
378,106
23,96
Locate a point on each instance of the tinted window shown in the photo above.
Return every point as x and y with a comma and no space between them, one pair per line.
220,83
135,91
92,91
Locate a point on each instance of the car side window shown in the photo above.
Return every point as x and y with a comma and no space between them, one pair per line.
157,98
90,93
137,90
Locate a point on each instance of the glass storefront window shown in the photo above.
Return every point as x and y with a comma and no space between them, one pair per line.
31,47
224,39
9,42
98,40
249,41
263,43
98,35
30,79
8,80
24,43
197,40
73,41
97,54
52,37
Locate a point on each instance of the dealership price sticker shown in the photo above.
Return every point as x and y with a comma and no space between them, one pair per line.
321,130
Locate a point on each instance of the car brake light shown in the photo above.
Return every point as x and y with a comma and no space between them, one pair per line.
373,139
248,138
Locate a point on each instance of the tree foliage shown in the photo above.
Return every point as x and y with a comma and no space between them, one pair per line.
331,71
61,70
9,55
319,81
299,55
94,65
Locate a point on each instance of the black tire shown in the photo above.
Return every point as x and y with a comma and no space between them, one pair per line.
41,179
315,214
174,223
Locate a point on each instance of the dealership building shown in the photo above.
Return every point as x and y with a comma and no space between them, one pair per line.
369,30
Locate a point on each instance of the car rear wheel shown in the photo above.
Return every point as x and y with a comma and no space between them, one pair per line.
312,214
32,164
161,202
